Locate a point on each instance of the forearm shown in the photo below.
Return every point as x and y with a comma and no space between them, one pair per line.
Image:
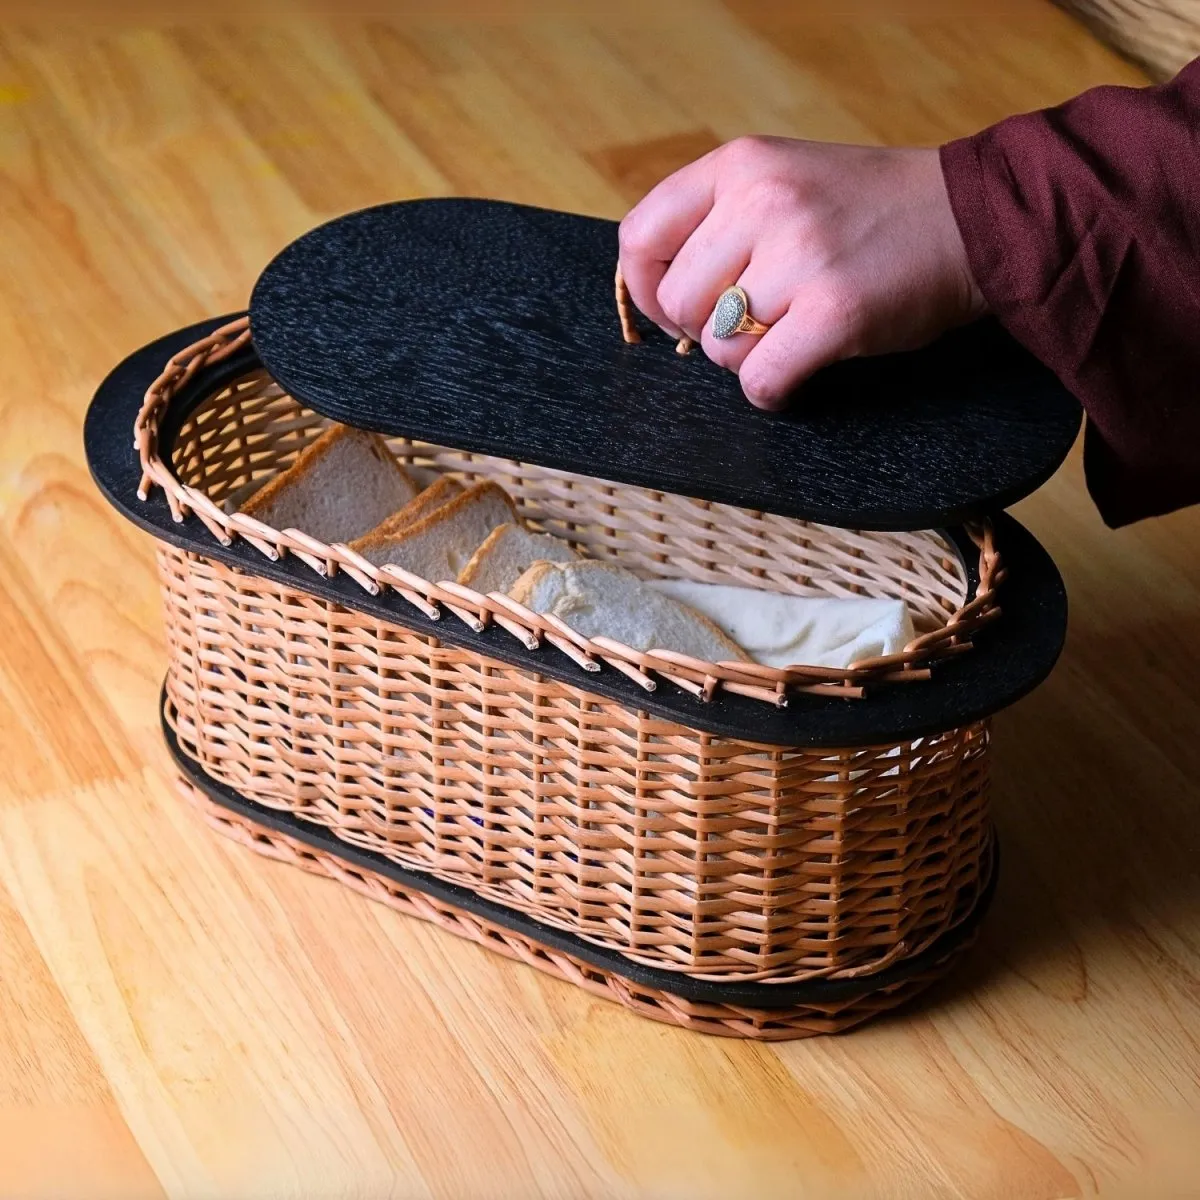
1082,228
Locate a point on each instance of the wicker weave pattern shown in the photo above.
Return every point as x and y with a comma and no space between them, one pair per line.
682,850
1162,35
717,858
252,430
717,1019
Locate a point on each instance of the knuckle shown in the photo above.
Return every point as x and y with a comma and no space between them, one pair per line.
768,195
759,382
633,234
670,302
675,301
817,240
751,149
840,309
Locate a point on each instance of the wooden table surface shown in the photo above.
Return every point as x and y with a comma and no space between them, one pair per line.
179,1017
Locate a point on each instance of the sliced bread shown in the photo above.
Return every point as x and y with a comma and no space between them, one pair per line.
441,543
603,600
235,499
339,487
421,505
509,551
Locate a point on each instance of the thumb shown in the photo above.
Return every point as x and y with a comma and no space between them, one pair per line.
810,335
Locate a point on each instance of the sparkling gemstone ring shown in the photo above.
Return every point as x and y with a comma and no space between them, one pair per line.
732,315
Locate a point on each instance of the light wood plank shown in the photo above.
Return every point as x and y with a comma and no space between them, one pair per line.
179,1017
209,203
61,1131
184,987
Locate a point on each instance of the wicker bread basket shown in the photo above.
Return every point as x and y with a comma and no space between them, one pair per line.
683,851
589,809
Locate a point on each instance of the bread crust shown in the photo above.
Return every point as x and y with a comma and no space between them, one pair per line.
308,458
523,591
371,542
479,559
420,506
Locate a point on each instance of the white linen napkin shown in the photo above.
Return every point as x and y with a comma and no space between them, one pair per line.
777,630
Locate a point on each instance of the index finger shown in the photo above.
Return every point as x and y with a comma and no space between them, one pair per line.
655,229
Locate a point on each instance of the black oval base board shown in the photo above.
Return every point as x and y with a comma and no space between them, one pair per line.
1010,657
492,327
754,995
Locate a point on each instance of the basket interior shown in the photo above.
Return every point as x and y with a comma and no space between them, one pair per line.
251,430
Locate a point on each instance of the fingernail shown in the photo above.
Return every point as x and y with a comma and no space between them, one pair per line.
768,403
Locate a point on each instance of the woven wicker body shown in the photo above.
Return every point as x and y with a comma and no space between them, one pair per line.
740,1019
713,858
685,851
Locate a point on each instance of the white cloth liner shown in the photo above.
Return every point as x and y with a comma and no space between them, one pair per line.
778,630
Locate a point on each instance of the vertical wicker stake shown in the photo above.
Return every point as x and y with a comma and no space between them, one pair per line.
625,313
625,310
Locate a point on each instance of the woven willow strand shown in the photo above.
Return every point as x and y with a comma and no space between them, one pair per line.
685,851
625,310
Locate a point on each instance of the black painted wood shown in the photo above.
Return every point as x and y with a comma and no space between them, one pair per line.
491,327
1011,657
754,995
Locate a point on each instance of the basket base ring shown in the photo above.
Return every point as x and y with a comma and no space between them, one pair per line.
761,1011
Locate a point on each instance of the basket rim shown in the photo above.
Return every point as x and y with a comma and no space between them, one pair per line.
157,424
1011,658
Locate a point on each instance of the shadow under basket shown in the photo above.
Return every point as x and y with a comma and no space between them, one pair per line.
733,849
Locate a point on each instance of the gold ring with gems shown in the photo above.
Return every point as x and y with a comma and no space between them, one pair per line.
732,315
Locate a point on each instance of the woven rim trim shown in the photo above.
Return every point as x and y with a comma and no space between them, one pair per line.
702,679
721,1020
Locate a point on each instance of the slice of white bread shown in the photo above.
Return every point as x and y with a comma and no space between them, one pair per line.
421,505
509,551
603,600
340,486
441,543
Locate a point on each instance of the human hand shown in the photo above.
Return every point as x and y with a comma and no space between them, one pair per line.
842,250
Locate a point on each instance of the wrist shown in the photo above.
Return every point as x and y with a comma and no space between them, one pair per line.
967,295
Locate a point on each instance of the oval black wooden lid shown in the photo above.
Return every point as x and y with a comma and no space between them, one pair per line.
491,327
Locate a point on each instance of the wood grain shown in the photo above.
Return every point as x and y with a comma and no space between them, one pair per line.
512,348
180,1018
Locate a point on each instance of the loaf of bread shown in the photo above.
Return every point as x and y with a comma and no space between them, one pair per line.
340,487
599,599
507,553
439,545
347,486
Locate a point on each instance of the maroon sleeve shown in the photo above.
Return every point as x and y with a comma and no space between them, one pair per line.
1082,227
